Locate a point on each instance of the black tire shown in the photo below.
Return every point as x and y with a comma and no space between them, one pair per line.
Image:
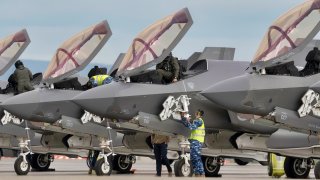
317,170
293,170
102,169
240,162
180,170
210,169
120,165
20,167
40,162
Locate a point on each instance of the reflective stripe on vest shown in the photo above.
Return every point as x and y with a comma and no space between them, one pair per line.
199,133
99,78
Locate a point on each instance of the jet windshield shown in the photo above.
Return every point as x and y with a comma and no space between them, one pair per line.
289,34
153,44
11,48
75,53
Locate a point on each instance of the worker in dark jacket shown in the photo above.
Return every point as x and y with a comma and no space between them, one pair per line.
313,60
167,71
23,77
160,147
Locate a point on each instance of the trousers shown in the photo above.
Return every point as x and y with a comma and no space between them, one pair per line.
160,153
195,155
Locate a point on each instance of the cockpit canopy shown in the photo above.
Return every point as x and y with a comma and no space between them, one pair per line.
74,54
11,48
153,44
288,35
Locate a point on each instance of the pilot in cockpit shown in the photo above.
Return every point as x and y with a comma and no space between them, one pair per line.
313,61
167,71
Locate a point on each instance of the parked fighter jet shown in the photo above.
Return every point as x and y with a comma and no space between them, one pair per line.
274,89
54,106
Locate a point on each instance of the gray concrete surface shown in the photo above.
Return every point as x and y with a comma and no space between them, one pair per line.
145,170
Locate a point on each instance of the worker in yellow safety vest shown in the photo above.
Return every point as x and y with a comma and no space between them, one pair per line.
196,140
100,79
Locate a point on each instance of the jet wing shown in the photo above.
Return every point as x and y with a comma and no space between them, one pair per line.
77,52
288,35
155,43
11,48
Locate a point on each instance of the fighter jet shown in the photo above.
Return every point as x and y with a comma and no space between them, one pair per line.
274,90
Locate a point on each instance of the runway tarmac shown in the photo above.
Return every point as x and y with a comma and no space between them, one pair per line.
145,170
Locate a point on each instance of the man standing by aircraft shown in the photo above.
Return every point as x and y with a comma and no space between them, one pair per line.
160,148
196,140
23,77
167,71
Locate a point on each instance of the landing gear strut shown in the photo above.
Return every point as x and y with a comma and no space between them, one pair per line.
182,167
22,165
104,163
317,170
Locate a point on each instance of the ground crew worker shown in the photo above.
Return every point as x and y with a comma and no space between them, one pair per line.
100,79
160,148
167,71
196,140
23,77
94,154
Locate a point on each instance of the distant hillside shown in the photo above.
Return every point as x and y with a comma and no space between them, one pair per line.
40,66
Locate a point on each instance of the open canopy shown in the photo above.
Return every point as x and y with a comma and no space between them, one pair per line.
74,54
153,44
288,35
11,48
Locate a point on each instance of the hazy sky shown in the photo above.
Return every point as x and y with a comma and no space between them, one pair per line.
222,23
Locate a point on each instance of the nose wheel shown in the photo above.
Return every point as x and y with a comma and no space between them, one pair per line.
103,166
22,165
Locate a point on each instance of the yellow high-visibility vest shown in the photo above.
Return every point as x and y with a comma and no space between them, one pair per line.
100,78
199,133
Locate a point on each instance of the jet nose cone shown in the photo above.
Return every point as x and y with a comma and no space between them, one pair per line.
22,105
96,100
231,94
